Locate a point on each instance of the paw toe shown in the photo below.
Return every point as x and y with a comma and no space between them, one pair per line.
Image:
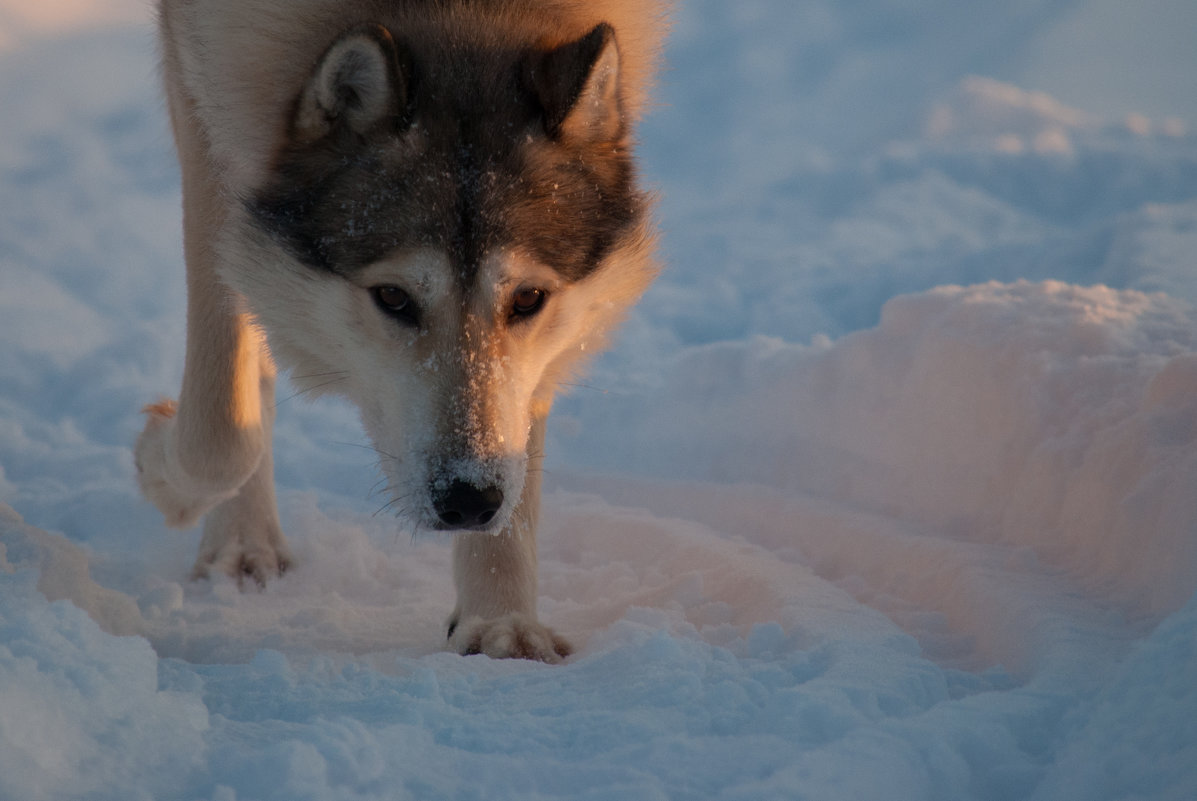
513,636
260,567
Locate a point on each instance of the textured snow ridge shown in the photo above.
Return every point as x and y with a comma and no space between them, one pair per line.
1042,415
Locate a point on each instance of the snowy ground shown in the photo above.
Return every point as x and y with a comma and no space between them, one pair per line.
889,490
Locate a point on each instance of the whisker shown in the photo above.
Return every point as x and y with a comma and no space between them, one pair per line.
591,387
415,532
391,504
380,485
306,376
364,446
307,390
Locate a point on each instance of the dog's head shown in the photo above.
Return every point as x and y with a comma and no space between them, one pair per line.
452,224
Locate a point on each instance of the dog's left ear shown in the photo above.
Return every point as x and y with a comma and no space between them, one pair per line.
359,80
578,87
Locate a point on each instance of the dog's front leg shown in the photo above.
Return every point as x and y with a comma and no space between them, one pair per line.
197,453
210,452
496,583
242,536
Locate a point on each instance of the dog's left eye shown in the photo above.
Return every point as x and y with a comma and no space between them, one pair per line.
396,303
527,302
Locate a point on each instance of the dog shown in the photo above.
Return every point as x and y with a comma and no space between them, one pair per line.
430,207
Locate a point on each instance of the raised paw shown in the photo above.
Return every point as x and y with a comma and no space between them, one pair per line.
162,482
512,636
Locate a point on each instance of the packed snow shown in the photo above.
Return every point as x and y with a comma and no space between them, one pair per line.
888,490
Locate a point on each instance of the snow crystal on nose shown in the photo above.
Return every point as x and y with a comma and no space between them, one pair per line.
472,471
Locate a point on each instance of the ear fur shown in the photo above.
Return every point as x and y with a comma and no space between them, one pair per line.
358,82
578,87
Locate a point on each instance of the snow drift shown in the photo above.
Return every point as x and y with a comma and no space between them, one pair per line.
1040,415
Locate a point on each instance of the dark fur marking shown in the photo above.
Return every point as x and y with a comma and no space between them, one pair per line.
560,75
461,178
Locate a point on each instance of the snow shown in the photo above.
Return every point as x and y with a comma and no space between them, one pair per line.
886,490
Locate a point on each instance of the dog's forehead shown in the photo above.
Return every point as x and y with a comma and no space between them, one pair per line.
424,271
506,269
474,173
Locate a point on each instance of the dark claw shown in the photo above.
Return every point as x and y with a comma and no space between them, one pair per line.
247,569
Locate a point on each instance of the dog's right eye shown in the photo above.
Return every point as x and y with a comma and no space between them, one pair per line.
395,302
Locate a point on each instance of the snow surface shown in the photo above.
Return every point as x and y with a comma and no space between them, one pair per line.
888,491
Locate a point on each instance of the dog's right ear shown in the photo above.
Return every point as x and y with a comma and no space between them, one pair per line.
361,79
578,87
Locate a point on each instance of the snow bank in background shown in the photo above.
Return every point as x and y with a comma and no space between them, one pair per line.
1082,56
996,183
1005,117
21,21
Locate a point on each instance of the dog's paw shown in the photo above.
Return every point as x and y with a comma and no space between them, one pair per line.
243,540
512,636
257,563
158,475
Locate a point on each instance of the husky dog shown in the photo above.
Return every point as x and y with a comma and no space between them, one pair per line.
428,206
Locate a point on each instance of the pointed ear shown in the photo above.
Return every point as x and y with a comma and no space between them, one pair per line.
359,81
578,87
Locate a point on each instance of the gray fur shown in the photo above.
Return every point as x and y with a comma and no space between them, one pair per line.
471,158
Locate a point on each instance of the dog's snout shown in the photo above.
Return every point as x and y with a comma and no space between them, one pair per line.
463,505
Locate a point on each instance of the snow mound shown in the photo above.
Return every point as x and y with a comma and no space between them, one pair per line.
1043,415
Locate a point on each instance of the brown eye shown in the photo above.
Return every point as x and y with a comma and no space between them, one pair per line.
395,302
527,302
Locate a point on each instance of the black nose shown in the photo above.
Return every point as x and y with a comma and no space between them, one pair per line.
463,505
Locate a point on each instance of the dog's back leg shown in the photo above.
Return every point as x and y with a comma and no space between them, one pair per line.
211,451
